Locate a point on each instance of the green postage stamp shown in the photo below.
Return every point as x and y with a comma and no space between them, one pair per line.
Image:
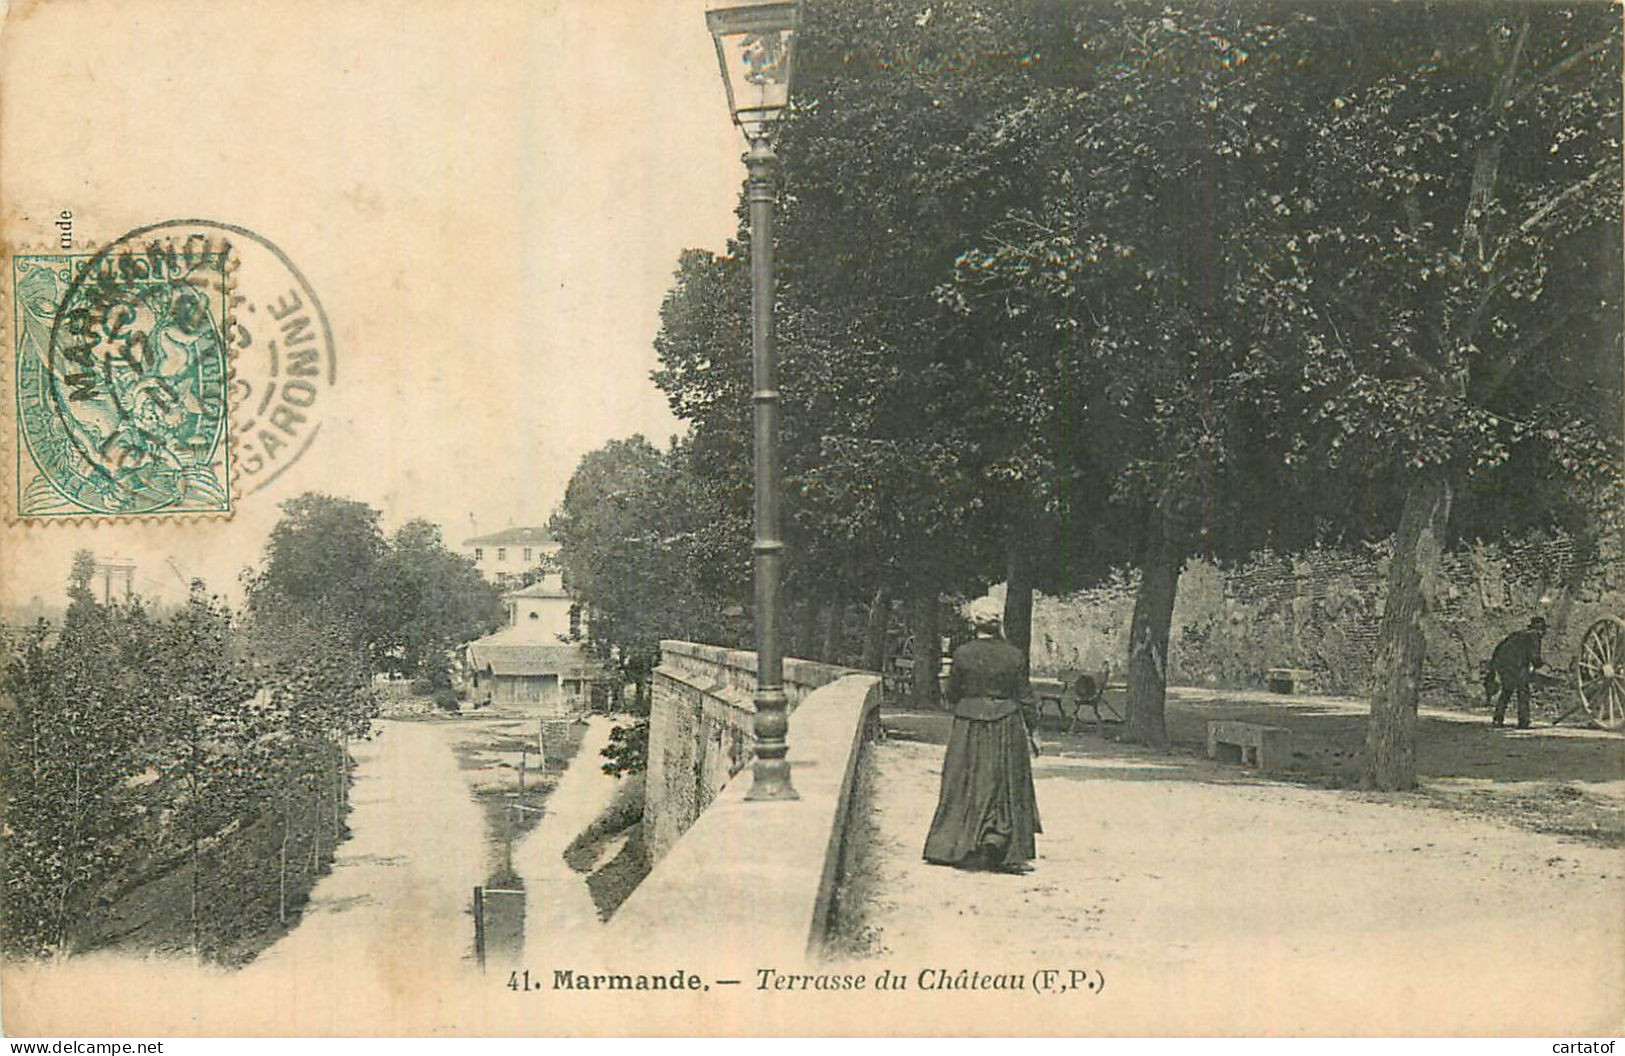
120,380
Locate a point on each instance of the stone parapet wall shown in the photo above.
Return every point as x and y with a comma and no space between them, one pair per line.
759,876
700,729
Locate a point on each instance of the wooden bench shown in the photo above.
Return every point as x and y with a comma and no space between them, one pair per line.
897,681
1248,743
1285,679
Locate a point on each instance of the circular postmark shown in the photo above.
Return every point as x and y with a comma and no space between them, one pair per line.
284,363
167,373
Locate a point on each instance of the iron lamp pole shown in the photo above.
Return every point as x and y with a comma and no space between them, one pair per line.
755,45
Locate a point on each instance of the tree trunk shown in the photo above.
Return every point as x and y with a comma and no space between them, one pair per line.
282,858
1148,637
1390,742
874,631
68,866
834,624
804,642
924,622
1584,555
1018,597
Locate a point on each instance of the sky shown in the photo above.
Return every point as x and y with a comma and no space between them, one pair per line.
489,199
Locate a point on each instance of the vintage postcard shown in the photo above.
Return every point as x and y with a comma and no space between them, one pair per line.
882,517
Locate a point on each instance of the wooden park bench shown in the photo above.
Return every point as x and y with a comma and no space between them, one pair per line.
1248,743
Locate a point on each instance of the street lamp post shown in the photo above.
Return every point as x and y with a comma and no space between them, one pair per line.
755,45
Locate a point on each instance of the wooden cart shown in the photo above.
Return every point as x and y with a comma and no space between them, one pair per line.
1599,674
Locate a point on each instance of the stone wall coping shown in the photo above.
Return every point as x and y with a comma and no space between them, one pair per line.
761,876
804,674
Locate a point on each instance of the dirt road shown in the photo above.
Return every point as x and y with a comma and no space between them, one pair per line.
558,899
396,905
1216,900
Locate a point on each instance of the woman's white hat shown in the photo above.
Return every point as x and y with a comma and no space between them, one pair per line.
984,611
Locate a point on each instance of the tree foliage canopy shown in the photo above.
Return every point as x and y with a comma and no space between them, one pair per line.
647,550
1090,279
405,601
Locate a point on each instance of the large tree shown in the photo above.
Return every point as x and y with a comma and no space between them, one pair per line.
1290,263
424,601
403,601
900,440
648,551
1455,280
201,722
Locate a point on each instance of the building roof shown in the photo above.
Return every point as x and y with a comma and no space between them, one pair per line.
535,536
515,658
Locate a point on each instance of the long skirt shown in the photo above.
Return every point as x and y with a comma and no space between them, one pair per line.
986,806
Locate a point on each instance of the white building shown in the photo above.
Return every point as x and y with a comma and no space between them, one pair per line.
544,612
538,658
503,557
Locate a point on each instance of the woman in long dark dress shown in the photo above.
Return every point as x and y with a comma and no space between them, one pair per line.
987,812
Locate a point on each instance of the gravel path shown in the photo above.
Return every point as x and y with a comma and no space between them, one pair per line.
1217,901
396,907
558,900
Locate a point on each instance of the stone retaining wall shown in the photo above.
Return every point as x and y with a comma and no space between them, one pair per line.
700,729
1321,611
751,876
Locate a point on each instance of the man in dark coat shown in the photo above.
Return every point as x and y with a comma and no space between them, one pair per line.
1511,666
987,812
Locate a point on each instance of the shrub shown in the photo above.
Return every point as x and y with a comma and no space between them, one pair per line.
628,749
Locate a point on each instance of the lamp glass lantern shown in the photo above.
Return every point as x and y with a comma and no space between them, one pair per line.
756,48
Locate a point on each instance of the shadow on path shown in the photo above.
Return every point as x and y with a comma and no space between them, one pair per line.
1328,742
1564,781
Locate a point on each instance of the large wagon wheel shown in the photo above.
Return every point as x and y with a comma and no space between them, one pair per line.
1600,672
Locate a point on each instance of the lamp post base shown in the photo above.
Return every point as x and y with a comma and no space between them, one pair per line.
770,772
771,781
